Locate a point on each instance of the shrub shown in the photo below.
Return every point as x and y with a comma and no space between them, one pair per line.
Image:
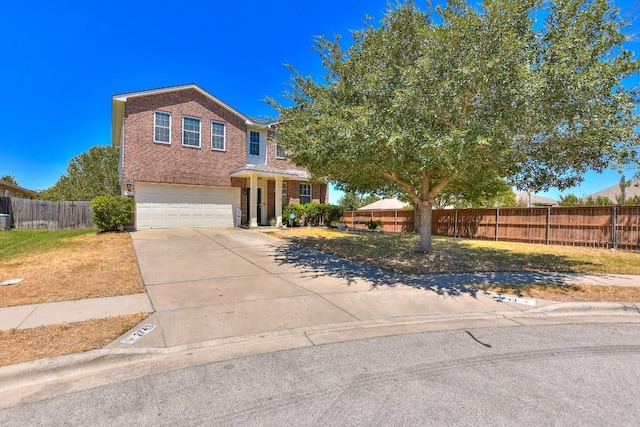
312,214
372,225
112,213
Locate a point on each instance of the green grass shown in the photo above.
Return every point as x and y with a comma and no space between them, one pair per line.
16,242
398,252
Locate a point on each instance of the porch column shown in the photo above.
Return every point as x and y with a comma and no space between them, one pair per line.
253,202
278,201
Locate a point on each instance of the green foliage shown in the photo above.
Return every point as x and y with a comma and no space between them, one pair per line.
91,174
314,214
597,201
570,200
352,201
499,194
9,178
373,224
112,213
526,91
573,200
632,201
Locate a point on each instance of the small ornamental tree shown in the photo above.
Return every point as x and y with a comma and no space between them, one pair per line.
112,213
456,99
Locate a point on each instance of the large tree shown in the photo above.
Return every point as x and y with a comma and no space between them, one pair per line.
91,174
459,98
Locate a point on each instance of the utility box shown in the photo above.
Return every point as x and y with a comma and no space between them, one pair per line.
5,221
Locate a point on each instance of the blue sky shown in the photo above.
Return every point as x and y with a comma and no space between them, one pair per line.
62,61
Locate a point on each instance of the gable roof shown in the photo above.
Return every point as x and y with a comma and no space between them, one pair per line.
385,204
523,197
26,192
118,102
612,193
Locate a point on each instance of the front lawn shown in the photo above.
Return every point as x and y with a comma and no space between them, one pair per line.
66,265
62,265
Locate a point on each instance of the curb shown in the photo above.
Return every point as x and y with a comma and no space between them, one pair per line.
588,309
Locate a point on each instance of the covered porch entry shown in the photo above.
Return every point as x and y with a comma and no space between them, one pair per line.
265,193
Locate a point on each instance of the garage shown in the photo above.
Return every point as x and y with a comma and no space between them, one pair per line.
185,206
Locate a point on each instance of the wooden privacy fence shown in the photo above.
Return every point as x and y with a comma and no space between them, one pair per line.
599,226
392,220
47,215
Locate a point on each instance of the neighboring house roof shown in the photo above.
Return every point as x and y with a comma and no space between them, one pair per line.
16,189
118,102
536,200
246,170
614,192
385,204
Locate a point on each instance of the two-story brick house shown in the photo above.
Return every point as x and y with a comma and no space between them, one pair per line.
191,160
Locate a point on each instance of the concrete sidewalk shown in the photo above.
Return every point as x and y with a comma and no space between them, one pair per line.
34,315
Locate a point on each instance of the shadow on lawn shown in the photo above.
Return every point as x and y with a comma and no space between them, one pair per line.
318,263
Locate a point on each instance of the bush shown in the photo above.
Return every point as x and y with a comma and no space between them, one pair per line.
112,213
372,225
312,214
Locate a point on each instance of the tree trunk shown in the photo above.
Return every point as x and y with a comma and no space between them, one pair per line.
424,212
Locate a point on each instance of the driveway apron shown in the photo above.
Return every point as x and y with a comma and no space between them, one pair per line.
208,284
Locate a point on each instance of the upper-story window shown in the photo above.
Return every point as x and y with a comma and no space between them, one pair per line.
162,127
254,143
217,136
281,153
191,131
305,193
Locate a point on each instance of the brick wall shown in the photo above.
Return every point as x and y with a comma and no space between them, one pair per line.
319,192
145,160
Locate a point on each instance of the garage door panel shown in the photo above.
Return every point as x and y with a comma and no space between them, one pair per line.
176,206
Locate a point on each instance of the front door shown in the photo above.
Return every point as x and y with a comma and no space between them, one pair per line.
258,207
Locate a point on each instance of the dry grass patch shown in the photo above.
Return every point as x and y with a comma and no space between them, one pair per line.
85,266
18,346
569,293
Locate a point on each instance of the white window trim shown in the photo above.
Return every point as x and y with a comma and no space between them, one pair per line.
280,157
155,125
310,193
199,133
249,143
224,135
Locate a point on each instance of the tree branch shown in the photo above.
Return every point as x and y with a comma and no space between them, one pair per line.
406,186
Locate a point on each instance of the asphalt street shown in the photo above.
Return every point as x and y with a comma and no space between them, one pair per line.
529,375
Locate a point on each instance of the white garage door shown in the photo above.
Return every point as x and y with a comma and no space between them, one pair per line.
185,206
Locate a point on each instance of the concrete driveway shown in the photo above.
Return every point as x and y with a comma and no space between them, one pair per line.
208,284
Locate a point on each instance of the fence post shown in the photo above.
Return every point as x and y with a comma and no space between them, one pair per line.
395,221
455,224
497,221
352,219
548,225
614,226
